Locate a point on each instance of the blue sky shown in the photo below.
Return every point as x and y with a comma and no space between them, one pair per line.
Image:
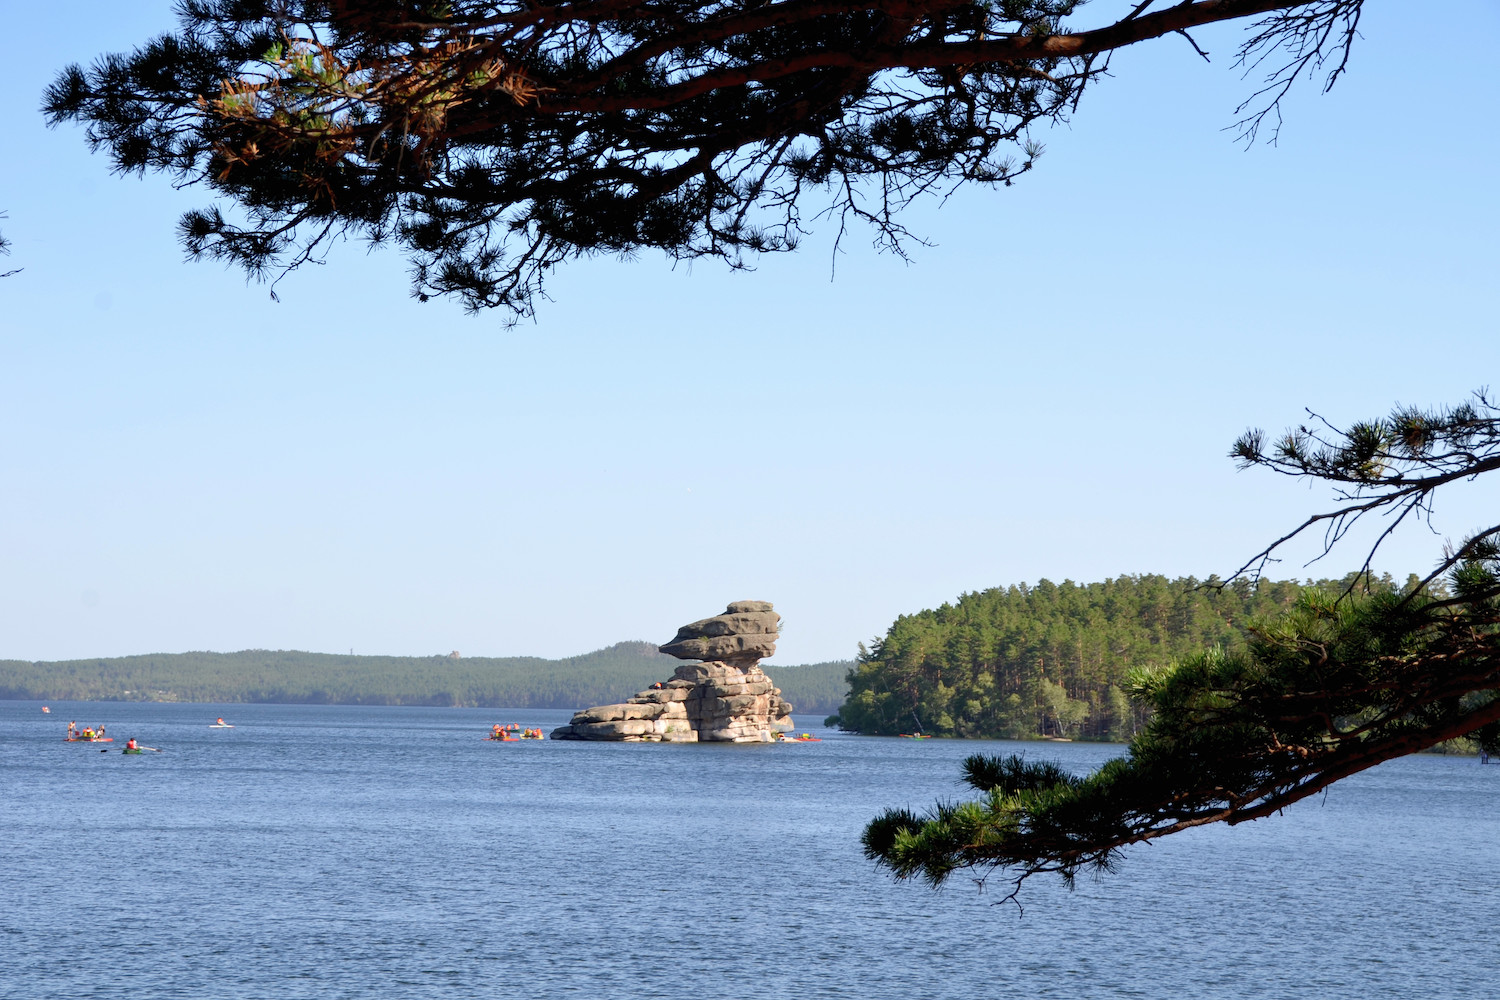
1049,390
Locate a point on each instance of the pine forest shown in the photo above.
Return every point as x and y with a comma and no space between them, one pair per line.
1052,660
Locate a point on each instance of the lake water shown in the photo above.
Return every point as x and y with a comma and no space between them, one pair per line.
330,852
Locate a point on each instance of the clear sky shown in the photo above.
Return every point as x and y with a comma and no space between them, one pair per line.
1047,391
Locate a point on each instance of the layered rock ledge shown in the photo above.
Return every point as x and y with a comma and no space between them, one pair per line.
726,699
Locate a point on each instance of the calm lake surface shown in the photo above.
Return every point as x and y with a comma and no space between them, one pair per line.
328,851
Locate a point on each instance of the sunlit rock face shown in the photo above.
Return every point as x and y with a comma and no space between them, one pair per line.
743,635
725,699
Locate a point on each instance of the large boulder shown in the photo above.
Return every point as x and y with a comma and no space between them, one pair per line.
745,634
727,698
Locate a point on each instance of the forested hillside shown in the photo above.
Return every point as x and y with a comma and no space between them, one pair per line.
1051,660
602,677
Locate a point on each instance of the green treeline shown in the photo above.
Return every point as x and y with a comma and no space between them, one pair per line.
813,688
278,676
1051,660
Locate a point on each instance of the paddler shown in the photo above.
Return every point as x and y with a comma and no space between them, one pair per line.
72,730
495,733
221,720
130,743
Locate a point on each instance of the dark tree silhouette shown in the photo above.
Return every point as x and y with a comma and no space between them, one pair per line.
494,140
1339,684
5,252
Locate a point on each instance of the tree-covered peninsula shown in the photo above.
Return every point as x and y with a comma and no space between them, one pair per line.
1341,683
291,677
1052,660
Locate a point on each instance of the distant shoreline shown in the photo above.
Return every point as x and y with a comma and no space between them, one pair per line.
292,677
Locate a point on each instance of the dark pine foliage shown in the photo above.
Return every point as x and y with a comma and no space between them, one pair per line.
5,251
1342,681
494,140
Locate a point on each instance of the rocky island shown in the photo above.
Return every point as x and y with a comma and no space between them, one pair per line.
726,698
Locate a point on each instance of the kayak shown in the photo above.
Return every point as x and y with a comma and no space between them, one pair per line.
132,751
89,739
220,725
915,736
502,739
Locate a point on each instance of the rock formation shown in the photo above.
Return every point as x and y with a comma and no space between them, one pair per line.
725,699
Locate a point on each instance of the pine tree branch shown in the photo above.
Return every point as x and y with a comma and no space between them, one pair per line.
493,141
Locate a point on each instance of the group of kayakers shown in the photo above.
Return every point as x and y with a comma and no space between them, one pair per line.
95,734
513,731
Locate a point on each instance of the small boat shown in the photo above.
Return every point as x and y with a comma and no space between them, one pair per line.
915,736
89,739
137,750
804,738
220,725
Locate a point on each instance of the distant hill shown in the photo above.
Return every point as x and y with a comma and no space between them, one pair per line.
291,677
